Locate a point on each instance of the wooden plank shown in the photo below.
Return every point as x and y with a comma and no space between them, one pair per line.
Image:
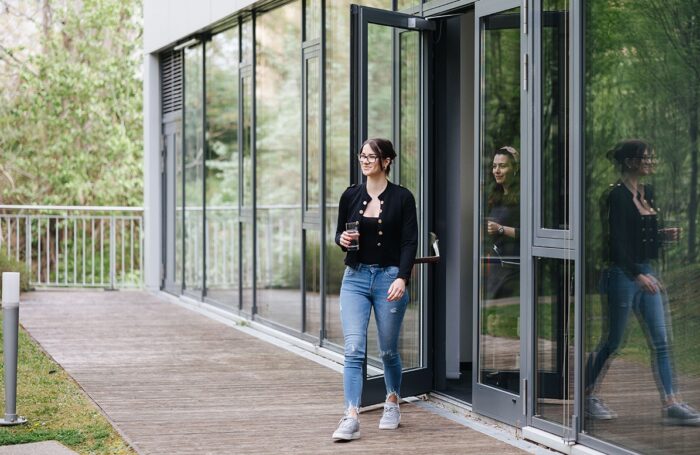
176,382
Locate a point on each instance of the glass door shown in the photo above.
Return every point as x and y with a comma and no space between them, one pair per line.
500,144
172,209
390,55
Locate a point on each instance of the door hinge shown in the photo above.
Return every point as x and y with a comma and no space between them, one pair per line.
162,273
523,395
525,69
163,151
418,23
525,17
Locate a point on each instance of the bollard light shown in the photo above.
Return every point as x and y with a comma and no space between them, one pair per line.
10,327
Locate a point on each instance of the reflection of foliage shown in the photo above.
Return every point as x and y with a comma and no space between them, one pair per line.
222,118
642,80
501,321
10,264
278,98
501,94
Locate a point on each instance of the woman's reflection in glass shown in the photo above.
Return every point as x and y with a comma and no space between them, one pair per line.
634,236
502,224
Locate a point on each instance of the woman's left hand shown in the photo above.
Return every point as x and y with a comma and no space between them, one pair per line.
396,290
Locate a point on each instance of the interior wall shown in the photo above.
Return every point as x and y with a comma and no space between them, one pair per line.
455,105
466,167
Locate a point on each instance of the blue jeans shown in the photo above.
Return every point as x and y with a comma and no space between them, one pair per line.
364,288
624,296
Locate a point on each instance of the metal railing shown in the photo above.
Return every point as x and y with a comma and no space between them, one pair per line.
75,246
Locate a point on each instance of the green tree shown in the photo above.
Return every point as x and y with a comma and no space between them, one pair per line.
71,129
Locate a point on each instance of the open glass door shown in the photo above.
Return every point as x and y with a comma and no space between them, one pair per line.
390,55
499,142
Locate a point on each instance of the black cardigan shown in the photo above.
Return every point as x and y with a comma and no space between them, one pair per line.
633,238
397,227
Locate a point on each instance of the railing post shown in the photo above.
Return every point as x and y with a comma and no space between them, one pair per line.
28,245
112,252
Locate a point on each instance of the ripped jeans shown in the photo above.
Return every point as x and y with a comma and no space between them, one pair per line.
364,288
624,297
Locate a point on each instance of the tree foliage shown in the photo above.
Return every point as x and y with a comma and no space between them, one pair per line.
71,129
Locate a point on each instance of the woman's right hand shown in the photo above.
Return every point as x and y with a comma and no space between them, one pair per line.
492,227
346,237
648,283
672,234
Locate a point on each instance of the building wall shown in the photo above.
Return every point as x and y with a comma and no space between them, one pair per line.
167,21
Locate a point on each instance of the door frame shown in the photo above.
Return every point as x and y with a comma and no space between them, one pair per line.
487,400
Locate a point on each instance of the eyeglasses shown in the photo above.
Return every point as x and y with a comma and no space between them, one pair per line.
368,158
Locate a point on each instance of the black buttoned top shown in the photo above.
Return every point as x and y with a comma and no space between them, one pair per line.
397,226
633,238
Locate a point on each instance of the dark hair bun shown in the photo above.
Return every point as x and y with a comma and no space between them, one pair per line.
628,149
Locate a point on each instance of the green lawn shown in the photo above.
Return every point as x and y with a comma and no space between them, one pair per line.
55,406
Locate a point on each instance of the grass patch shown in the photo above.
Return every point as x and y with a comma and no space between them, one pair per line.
55,407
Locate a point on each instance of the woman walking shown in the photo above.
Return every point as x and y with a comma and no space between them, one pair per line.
382,221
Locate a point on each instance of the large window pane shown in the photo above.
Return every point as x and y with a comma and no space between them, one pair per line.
642,319
194,167
222,168
338,158
312,19
379,78
179,213
409,176
554,164
499,291
312,282
278,164
313,131
554,340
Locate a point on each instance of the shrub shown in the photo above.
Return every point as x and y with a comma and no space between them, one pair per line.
9,264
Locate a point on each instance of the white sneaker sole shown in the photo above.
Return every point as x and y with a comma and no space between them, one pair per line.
389,427
681,422
601,416
346,436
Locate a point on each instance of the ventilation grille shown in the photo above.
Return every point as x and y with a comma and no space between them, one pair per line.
171,81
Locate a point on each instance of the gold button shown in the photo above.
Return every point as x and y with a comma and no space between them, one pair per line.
364,202
381,233
379,244
379,221
381,202
361,212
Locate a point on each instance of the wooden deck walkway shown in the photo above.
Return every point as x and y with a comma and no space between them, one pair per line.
176,382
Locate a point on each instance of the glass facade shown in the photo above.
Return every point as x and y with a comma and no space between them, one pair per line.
642,319
586,233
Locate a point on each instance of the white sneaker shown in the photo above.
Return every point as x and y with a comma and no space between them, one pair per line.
391,417
596,409
348,429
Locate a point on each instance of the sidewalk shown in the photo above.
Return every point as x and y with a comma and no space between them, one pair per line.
175,382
